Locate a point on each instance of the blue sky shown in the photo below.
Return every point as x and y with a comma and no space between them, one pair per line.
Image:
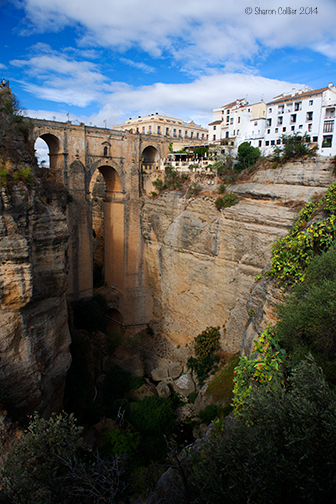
114,59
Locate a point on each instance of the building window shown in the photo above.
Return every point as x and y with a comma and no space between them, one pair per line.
105,151
280,119
267,143
284,129
292,128
214,137
298,106
150,129
228,111
315,139
186,134
167,131
231,120
328,126
311,102
281,109
327,141
248,110
137,130
289,107
270,110
234,132
191,134
237,132
174,132
227,135
215,128
197,136
272,142
256,123
202,136
143,129
268,131
260,143
180,133
309,116
238,120
279,141
276,130
301,126
159,130
268,122
310,126
293,118
227,119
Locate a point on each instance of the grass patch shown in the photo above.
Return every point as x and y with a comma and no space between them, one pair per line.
221,386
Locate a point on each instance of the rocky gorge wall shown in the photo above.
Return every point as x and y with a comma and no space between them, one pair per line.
201,263
34,334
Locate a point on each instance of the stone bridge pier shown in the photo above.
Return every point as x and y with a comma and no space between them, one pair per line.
84,158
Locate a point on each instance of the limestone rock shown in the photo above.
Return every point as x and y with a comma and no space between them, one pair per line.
159,374
174,370
34,334
201,263
162,389
184,385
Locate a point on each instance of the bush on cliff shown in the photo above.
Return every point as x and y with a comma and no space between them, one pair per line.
50,464
281,450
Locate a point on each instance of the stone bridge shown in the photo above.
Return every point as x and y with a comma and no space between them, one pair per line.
102,171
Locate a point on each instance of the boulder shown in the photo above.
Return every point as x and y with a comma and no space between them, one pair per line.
160,374
174,370
184,385
163,390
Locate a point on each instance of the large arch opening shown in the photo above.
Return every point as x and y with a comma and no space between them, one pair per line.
107,228
47,147
150,158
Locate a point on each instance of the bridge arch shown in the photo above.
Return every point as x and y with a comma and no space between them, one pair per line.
54,147
150,158
107,202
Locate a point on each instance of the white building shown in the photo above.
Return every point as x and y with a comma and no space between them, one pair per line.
305,111
238,122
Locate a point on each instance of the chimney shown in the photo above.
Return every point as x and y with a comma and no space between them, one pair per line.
330,85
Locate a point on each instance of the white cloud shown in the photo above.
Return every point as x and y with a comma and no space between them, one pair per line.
193,31
63,80
194,100
136,64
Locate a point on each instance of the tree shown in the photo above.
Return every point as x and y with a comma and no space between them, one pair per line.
50,464
281,448
247,155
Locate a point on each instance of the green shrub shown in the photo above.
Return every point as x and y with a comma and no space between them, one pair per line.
192,397
247,155
229,199
206,344
153,416
281,450
120,442
24,174
307,318
221,189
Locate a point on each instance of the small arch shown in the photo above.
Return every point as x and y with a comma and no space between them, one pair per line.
150,158
105,150
112,179
53,145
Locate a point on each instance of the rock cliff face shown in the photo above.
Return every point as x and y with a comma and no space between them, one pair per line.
34,335
201,263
